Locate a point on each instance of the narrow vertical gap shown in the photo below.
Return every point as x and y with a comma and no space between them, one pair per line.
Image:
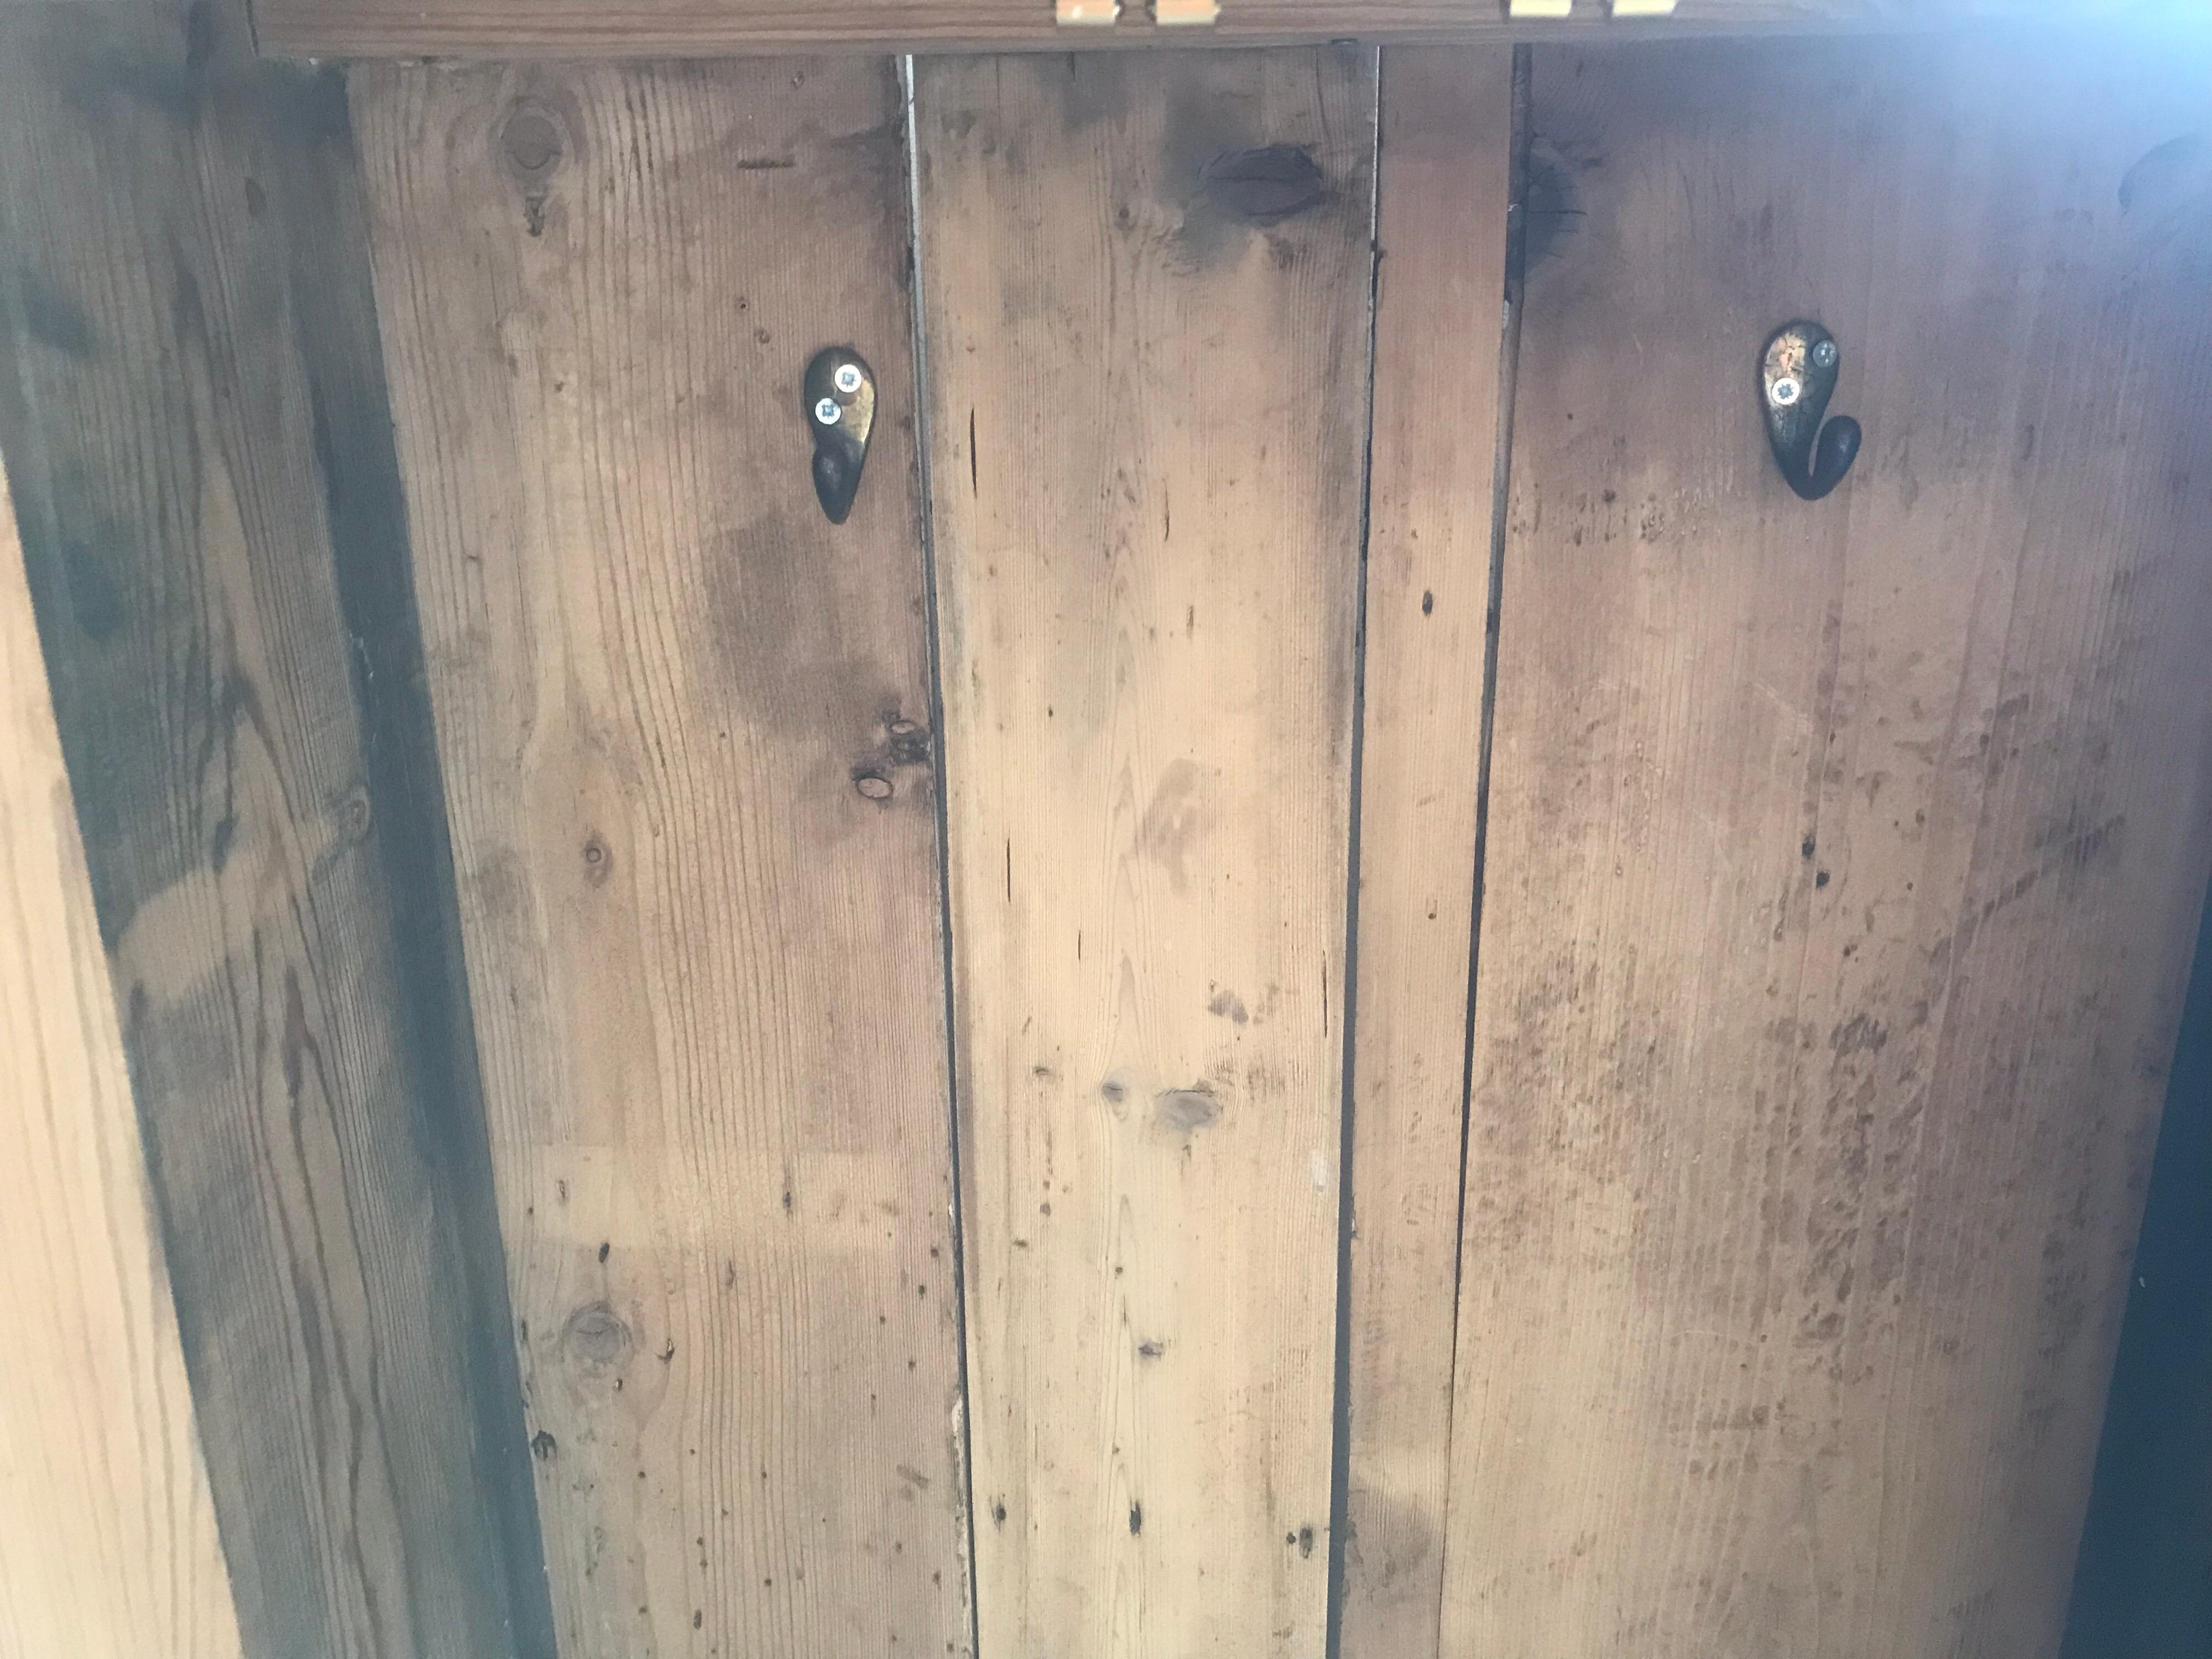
1501,481
1339,1462
927,509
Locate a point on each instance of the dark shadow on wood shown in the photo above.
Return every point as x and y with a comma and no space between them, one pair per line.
193,412
2142,1587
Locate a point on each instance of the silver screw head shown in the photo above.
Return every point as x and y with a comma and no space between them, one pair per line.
1785,391
1824,354
847,378
828,413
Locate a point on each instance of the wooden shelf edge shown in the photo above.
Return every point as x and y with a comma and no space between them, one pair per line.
687,28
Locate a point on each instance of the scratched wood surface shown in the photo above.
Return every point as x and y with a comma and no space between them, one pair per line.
1447,139
388,28
1844,858
686,728
107,1533
1146,296
192,413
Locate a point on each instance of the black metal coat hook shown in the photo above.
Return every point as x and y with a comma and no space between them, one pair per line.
840,391
1797,373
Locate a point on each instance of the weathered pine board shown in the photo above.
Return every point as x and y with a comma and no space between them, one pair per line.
399,28
1447,141
192,412
1844,858
685,724
1145,299
107,1533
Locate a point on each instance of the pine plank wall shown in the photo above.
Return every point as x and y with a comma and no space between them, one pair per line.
1333,984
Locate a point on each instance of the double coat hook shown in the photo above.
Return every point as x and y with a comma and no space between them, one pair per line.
1797,373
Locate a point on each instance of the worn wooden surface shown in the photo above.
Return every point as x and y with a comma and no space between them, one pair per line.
107,1533
1844,858
686,729
386,28
1447,138
192,413
1146,295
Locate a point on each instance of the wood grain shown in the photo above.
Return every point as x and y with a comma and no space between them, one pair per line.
192,410
509,28
1447,141
107,1533
1844,858
1145,299
685,723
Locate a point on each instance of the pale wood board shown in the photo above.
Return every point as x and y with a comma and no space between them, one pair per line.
1844,858
107,1535
1147,413
706,968
1446,142
192,412
511,28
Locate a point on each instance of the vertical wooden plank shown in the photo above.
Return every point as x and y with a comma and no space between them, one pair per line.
1146,296
192,409
685,723
1844,858
1447,140
107,1534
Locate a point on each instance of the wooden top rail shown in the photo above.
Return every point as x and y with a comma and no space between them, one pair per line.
642,28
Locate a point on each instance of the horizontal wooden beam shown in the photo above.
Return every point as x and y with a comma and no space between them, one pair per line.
636,29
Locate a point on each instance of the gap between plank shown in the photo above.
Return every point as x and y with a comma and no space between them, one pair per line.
1501,480
1339,1456
925,506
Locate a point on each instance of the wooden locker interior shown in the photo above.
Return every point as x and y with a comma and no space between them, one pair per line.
1332,983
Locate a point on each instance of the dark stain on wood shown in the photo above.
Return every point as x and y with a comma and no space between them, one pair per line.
53,318
1265,186
1554,210
1186,1111
776,617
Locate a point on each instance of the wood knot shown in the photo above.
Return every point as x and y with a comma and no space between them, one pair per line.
1266,186
533,141
356,816
595,1338
532,144
1185,1111
598,862
873,785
